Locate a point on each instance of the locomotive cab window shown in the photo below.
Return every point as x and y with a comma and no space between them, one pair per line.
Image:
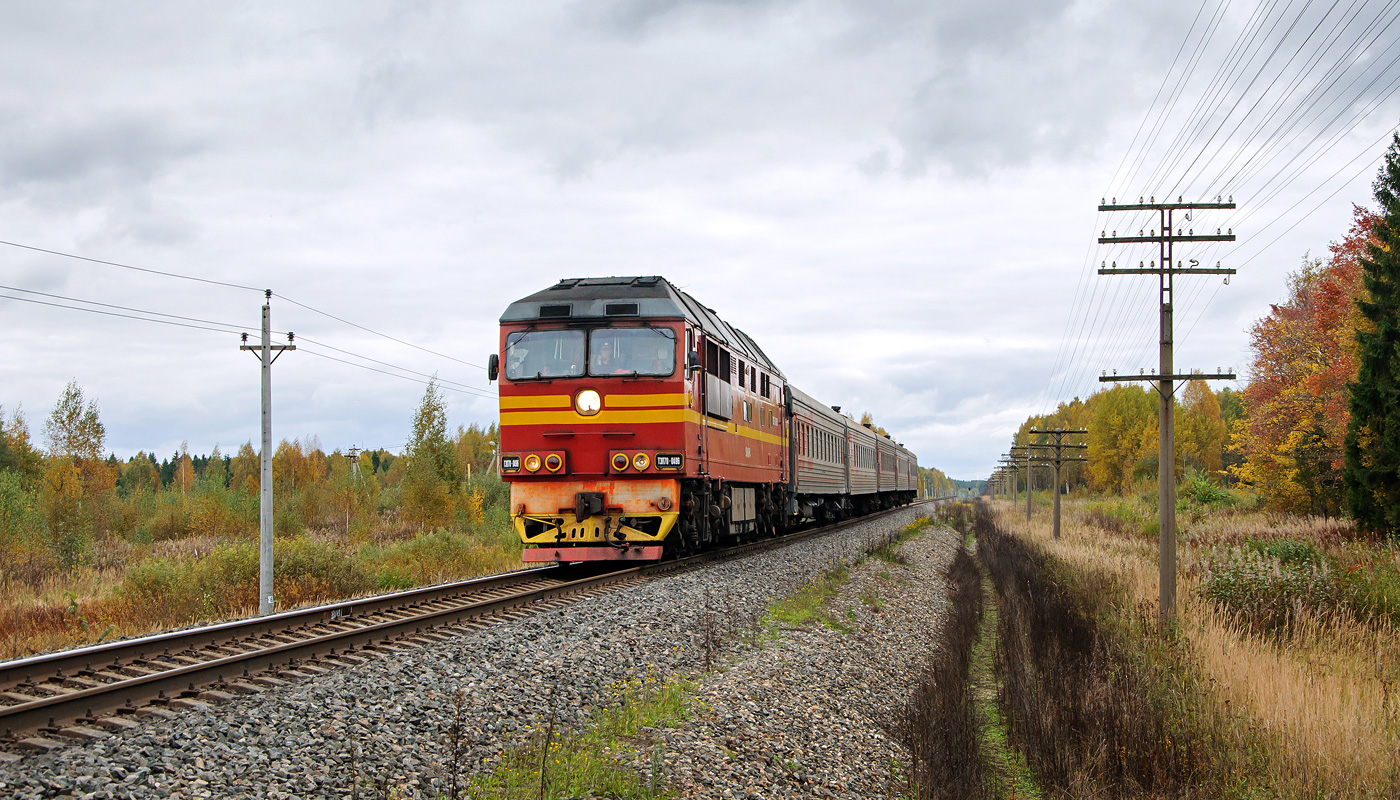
544,354
632,351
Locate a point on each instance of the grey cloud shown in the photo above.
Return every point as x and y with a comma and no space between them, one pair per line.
121,148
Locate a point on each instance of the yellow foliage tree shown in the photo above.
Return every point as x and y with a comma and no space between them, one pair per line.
1200,430
1122,432
245,469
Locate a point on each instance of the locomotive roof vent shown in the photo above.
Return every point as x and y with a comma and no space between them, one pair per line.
555,311
567,283
620,310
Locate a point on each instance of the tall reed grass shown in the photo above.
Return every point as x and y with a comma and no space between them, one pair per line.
1311,707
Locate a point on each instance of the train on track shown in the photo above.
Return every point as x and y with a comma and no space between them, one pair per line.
635,424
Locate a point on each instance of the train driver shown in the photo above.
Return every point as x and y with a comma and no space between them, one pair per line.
604,364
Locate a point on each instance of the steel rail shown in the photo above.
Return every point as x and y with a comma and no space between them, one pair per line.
25,670
349,629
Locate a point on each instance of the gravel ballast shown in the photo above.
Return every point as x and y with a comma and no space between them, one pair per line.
798,716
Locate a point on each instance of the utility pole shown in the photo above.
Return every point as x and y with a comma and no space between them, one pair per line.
1166,269
1011,462
265,355
1018,450
1057,459
354,454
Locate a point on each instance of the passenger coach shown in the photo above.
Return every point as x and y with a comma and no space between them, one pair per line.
636,422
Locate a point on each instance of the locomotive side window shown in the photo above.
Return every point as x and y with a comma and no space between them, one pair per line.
544,354
717,361
632,351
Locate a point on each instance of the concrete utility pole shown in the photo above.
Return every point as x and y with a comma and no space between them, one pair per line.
265,352
1057,459
1166,377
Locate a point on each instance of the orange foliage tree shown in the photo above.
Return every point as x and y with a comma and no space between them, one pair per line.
1296,404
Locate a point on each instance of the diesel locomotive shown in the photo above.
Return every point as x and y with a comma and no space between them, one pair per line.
636,424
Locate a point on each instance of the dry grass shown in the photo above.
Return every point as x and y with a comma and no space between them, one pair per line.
130,589
1326,688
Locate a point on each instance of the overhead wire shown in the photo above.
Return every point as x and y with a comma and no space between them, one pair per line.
1257,85
460,386
391,374
130,267
181,276
236,327
376,333
113,314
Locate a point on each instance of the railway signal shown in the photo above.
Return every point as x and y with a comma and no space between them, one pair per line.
1166,269
265,352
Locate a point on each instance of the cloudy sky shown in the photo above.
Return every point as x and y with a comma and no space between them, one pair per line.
896,199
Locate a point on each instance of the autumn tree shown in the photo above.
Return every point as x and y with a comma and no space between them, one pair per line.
184,469
1200,430
431,477
1291,437
868,420
1122,436
1372,444
140,475
245,470
75,432
475,448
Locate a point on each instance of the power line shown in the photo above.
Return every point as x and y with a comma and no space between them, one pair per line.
130,267
463,387
377,333
112,314
383,372
126,308
236,286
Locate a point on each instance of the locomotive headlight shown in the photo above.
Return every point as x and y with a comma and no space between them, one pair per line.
588,402
553,462
641,461
619,462
532,463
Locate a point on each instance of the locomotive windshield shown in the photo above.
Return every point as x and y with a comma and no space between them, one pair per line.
544,354
610,351
632,351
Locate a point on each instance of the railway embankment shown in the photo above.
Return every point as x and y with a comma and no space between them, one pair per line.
800,714
811,711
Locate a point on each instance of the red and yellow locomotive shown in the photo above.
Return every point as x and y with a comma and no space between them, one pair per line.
635,422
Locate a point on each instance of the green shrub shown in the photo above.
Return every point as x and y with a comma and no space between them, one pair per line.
1287,551
1370,586
1265,591
1203,491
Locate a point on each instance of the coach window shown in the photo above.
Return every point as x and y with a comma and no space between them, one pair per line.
632,351
544,354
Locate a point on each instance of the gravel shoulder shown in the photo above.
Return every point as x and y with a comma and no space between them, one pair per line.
799,716
806,715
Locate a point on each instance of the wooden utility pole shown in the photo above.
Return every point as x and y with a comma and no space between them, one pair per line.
1010,463
265,351
1023,453
1056,459
1166,269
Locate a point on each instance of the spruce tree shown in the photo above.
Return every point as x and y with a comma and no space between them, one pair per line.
1372,450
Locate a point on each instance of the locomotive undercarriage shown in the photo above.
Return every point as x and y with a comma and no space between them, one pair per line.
716,512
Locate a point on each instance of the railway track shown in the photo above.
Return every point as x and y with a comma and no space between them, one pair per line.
85,693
